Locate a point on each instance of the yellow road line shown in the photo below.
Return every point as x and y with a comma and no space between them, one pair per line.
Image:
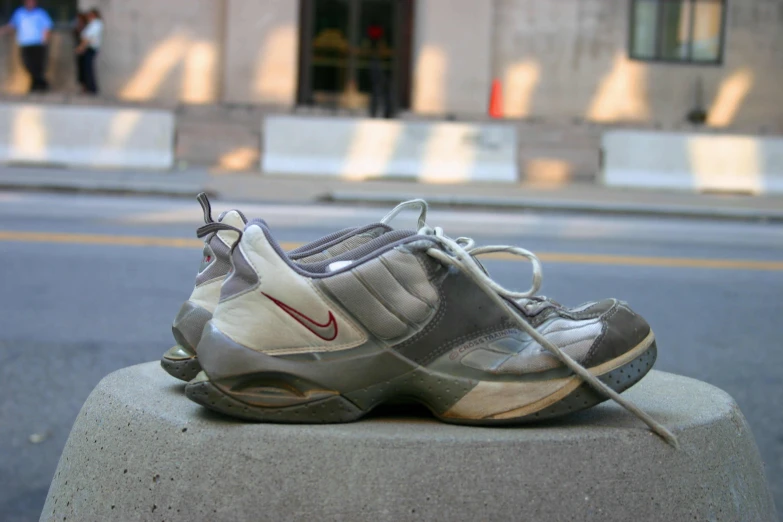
98,239
669,262
551,257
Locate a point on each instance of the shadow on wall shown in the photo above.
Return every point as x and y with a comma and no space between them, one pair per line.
569,60
621,95
731,94
273,81
432,64
158,51
194,60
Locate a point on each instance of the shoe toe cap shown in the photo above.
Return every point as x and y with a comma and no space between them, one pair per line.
623,330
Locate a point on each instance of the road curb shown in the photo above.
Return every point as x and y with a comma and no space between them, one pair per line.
552,205
191,190
92,187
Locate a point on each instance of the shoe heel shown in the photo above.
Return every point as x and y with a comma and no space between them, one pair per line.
273,397
178,363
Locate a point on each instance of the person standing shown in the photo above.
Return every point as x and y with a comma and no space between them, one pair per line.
33,26
380,89
79,24
92,37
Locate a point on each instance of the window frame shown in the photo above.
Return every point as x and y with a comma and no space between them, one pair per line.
405,20
659,27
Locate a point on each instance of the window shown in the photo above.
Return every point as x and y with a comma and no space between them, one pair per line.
689,31
62,12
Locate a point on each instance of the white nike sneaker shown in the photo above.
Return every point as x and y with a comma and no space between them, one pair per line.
181,360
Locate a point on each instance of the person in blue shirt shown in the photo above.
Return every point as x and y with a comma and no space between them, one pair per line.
32,25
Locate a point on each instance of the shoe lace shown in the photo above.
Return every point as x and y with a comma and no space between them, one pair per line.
206,207
405,205
461,253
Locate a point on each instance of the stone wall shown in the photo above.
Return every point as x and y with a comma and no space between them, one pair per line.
168,51
563,60
568,59
451,59
262,52
563,65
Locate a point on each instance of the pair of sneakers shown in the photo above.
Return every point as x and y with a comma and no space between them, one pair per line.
329,331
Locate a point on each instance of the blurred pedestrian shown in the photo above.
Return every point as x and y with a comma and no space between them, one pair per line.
380,88
78,26
92,38
33,27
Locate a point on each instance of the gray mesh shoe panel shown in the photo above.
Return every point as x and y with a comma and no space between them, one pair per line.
189,324
220,265
365,306
517,354
386,304
373,248
311,251
344,246
242,279
412,274
304,249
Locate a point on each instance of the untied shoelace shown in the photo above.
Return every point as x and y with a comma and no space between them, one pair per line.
462,252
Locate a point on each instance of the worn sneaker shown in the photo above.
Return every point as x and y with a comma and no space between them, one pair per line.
219,235
413,317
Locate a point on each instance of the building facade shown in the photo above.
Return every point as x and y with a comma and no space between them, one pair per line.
568,63
644,61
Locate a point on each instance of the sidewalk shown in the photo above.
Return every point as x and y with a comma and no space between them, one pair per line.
255,187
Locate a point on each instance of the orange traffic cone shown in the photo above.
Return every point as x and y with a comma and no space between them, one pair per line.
496,100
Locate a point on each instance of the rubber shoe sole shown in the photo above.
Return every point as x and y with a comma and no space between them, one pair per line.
180,360
184,369
279,398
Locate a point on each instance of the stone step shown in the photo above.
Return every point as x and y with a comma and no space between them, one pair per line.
139,450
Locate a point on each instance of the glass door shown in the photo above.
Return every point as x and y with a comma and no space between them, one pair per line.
355,54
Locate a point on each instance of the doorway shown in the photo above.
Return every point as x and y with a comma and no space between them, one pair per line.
352,49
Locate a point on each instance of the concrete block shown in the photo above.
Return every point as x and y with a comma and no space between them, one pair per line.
139,450
355,148
693,161
86,136
219,144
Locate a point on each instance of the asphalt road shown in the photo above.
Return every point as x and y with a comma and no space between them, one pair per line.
88,287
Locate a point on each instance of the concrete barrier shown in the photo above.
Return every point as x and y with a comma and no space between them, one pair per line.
139,450
86,136
697,162
354,148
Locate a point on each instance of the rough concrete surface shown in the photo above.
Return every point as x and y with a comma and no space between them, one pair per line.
139,450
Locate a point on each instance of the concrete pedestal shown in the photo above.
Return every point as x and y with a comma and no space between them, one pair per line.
140,450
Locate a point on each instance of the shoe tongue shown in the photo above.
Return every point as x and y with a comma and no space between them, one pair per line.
234,218
352,255
536,305
377,231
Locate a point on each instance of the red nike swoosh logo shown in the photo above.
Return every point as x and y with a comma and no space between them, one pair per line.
326,331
